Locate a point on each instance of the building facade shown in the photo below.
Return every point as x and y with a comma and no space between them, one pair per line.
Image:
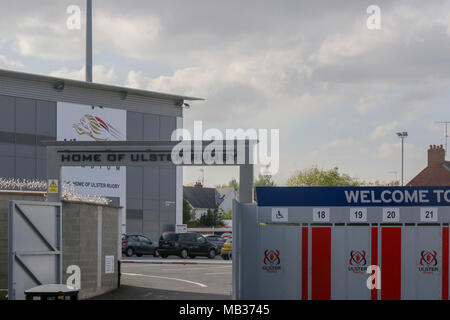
28,106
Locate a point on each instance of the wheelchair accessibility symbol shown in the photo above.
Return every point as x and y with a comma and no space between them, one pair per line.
280,215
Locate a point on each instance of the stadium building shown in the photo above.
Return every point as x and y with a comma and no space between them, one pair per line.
36,108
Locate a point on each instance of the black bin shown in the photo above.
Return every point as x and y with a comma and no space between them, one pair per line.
52,292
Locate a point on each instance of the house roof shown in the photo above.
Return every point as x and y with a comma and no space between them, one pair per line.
224,191
432,176
205,198
446,165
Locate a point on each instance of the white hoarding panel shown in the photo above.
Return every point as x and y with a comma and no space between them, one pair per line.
76,122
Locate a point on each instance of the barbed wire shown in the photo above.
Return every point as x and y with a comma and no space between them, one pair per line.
68,190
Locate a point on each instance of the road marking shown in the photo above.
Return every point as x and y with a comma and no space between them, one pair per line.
217,273
177,262
167,278
186,269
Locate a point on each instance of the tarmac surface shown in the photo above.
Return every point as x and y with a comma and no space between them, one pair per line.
206,279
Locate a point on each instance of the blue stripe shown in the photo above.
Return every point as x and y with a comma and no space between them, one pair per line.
352,196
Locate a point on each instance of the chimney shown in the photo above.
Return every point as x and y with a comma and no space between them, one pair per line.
436,155
198,184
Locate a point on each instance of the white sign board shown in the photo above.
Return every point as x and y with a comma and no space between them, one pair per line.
428,214
358,214
109,264
391,214
321,214
76,122
280,215
181,228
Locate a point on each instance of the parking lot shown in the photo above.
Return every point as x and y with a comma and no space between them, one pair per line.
196,279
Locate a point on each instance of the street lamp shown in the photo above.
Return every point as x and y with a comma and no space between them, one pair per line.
402,135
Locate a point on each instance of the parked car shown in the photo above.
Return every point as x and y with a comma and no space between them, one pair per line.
226,251
217,240
139,245
226,235
189,244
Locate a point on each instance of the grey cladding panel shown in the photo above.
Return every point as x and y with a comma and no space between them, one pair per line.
7,113
134,214
166,183
151,183
7,168
25,168
25,116
166,127
46,118
134,225
134,203
135,123
152,205
6,149
41,169
167,211
25,150
151,127
134,182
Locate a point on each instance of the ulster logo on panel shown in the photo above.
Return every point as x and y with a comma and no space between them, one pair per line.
272,260
357,262
428,261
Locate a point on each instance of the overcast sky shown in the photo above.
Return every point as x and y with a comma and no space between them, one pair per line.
337,91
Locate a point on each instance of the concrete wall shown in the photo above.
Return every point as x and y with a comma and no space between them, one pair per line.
90,232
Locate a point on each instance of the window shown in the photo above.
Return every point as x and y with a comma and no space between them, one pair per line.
144,239
170,236
201,239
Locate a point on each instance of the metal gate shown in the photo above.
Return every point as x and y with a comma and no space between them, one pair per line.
318,243
34,238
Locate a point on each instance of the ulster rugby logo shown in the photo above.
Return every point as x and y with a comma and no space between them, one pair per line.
272,260
428,261
97,129
357,262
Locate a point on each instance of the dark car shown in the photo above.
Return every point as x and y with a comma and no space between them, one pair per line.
139,245
185,245
217,240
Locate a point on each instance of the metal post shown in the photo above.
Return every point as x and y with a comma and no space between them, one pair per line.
89,41
53,173
403,139
402,135
246,183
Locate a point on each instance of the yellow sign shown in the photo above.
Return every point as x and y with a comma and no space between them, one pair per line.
53,186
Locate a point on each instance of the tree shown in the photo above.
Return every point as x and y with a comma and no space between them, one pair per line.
187,211
319,177
378,183
264,180
226,215
210,219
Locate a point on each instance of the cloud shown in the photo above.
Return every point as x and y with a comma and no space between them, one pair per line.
10,64
387,150
336,90
101,74
384,129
